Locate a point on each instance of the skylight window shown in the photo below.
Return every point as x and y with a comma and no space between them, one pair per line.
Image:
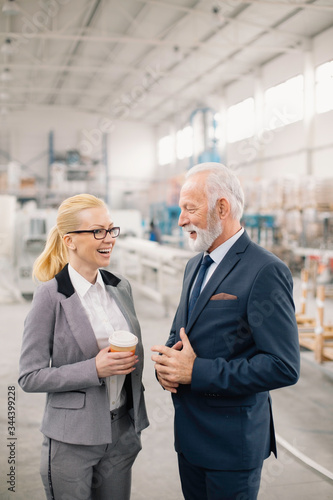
165,150
324,87
184,143
240,120
284,103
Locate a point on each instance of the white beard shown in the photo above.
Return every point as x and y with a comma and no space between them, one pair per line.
205,237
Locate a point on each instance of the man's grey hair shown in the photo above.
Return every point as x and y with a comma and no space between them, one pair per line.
221,182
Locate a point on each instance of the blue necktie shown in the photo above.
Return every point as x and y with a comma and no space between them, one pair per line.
206,262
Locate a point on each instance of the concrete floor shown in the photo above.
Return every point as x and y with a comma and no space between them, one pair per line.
303,417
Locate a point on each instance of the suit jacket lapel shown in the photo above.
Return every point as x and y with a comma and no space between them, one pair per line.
119,299
80,325
221,272
187,285
76,315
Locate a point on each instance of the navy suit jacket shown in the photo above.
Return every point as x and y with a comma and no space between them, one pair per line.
244,333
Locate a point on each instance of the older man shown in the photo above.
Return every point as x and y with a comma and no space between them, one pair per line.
241,341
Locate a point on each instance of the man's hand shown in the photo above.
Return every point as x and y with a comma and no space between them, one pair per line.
175,365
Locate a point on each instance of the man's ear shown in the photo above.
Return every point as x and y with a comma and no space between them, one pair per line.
68,240
223,207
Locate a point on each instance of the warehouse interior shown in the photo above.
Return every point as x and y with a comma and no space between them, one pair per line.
120,99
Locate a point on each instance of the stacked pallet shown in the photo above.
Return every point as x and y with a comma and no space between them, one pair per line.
313,333
324,194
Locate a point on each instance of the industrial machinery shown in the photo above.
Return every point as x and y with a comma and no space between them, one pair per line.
31,231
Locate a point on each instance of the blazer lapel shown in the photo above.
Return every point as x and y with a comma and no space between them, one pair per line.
221,272
119,299
76,315
111,282
80,325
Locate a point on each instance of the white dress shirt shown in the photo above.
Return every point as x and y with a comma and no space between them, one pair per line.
218,255
105,317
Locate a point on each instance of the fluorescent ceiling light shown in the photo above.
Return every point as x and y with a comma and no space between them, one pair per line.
6,75
7,47
10,8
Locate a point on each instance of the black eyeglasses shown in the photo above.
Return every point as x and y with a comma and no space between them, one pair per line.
100,234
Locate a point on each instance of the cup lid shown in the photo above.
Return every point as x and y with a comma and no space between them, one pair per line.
122,338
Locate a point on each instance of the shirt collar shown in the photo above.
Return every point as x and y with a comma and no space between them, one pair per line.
81,285
220,252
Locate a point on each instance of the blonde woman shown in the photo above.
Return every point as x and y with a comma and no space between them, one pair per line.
95,408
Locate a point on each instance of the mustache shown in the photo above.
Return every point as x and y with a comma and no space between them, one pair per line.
190,227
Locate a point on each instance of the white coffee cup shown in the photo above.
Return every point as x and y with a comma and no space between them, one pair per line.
123,341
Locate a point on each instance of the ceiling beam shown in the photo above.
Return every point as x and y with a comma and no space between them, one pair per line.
144,41
72,52
161,36
134,22
299,5
289,3
75,69
236,52
220,14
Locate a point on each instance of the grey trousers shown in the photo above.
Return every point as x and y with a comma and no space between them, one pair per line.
101,472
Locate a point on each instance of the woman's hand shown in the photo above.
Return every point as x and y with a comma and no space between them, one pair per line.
114,363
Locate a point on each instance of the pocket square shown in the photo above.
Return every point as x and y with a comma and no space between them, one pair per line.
224,296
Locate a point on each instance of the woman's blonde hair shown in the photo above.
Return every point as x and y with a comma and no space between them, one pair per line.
55,254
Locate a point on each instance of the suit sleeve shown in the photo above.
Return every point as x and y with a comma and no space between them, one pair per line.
273,361
36,373
173,333
172,337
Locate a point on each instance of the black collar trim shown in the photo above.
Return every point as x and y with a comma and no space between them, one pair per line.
65,285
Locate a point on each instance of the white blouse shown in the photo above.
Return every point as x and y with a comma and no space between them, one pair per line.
105,317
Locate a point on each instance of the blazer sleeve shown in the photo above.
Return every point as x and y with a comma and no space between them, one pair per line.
36,373
271,322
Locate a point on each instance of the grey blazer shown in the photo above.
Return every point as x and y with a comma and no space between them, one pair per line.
58,357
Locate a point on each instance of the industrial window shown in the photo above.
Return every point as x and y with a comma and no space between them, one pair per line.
165,150
218,127
284,103
184,140
324,87
240,120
